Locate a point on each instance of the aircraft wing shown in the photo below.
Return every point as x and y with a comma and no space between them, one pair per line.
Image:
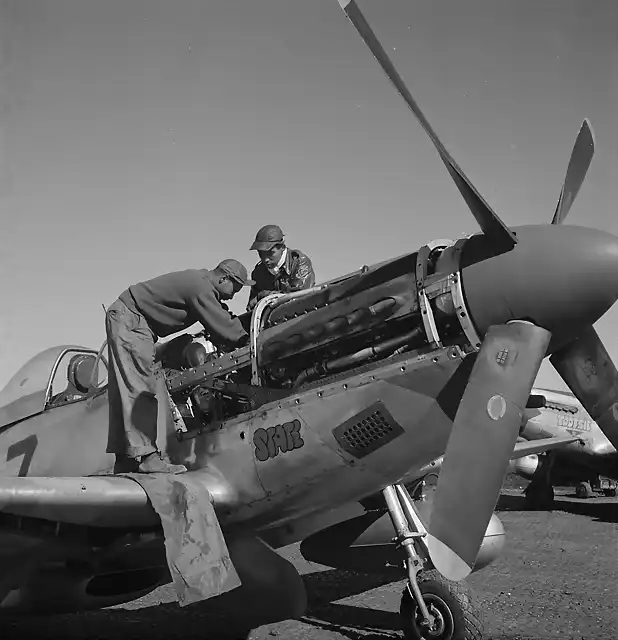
197,554
522,448
128,501
122,501
99,501
528,447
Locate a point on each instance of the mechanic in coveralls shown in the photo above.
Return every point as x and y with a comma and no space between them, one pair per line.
141,314
280,269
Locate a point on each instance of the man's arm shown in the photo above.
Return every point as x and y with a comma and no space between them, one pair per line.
252,299
220,324
257,298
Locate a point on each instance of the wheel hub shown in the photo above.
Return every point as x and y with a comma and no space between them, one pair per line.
442,624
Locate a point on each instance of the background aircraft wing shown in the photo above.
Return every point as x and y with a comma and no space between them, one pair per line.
522,448
528,447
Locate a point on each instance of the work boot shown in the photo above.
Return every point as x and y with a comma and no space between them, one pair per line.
154,463
125,464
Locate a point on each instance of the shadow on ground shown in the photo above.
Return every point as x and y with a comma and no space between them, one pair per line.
206,620
597,511
354,622
324,588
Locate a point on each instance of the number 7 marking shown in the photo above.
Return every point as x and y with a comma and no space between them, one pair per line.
26,448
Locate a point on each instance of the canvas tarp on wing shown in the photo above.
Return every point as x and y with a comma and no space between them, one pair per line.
197,554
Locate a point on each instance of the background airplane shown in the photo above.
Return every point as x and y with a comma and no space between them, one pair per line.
582,454
590,462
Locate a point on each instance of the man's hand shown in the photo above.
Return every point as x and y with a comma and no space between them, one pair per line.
227,346
254,301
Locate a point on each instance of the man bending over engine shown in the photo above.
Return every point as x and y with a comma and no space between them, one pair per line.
141,314
280,269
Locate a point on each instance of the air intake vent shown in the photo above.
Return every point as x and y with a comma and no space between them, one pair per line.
367,431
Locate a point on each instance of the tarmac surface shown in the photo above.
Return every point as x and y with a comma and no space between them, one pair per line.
557,578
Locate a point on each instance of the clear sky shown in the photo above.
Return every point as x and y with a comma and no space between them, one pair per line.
143,136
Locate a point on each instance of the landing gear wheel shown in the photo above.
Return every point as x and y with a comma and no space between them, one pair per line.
454,614
584,490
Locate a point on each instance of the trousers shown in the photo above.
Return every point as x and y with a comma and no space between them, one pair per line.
132,382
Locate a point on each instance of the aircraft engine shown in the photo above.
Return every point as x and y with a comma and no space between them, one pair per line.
525,467
312,336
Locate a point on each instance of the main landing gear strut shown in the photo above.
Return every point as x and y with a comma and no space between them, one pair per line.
432,607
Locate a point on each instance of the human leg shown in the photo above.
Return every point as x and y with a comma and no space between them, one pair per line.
132,393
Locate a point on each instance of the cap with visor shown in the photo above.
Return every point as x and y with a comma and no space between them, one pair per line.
236,271
267,237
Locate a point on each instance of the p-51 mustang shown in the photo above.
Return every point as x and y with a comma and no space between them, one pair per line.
345,392
590,461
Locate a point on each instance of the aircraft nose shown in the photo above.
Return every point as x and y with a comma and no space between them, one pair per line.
562,278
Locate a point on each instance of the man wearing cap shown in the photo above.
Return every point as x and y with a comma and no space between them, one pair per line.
143,313
280,269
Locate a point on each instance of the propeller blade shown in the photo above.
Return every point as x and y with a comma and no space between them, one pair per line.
481,444
589,372
486,218
581,157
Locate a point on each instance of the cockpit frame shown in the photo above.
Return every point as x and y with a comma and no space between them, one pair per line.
30,390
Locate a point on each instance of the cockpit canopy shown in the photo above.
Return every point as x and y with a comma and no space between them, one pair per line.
53,377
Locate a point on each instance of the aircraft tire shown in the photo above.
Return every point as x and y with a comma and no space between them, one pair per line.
456,614
584,490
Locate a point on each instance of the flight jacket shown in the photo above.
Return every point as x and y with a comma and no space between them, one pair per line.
296,273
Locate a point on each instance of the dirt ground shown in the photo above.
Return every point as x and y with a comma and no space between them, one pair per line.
558,578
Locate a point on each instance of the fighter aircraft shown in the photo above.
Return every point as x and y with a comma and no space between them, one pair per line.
343,390
590,461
